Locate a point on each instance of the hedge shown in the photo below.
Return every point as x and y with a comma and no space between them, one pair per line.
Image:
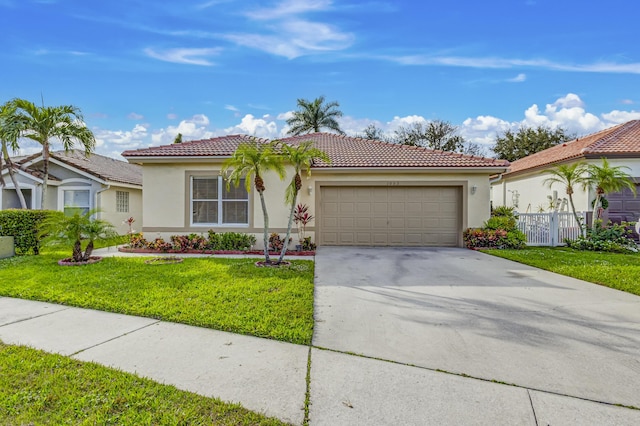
23,226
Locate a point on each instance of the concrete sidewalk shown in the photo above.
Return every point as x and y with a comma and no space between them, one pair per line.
270,377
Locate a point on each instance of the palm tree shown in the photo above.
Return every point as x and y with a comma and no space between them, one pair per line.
9,134
607,179
301,157
73,230
250,161
569,175
313,116
42,124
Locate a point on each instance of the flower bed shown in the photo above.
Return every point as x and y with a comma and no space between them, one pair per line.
251,252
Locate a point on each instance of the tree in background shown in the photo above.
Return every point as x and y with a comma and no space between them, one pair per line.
436,134
313,116
569,175
375,133
178,138
250,161
607,179
525,141
301,157
46,124
9,134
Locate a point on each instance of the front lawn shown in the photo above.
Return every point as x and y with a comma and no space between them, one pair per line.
224,294
41,388
619,271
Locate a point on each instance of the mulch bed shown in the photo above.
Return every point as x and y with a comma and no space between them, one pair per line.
69,261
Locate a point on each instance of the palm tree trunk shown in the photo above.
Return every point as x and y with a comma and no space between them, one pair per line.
88,251
45,179
16,185
596,209
575,215
77,251
266,228
289,225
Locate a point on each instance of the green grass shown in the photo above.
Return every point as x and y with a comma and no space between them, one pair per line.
41,388
615,270
225,294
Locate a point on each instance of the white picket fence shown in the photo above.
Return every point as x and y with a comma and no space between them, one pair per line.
549,229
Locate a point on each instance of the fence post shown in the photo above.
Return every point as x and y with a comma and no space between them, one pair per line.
553,228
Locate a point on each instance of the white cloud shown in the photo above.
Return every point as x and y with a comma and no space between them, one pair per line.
289,7
518,79
618,117
627,102
135,116
110,141
172,116
231,108
191,129
493,62
260,127
190,56
285,33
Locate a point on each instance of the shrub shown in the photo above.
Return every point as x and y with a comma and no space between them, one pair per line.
494,238
501,222
504,211
499,231
275,242
230,241
24,226
307,245
189,242
613,237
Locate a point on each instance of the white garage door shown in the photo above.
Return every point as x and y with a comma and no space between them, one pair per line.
390,216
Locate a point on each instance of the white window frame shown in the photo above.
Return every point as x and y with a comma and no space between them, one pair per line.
125,201
219,200
62,189
9,186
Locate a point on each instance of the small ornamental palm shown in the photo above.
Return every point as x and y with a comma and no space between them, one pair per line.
607,179
249,162
74,230
569,175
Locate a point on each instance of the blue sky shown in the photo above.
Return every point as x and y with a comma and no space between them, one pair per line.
142,70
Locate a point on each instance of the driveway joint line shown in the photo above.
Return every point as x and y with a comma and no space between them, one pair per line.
467,376
535,418
113,338
37,316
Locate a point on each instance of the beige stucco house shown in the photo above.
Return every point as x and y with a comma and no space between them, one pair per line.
372,193
522,186
77,181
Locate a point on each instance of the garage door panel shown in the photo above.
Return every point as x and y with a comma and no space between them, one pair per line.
421,216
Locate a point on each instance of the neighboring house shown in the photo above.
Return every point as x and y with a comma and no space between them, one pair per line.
522,186
372,192
79,182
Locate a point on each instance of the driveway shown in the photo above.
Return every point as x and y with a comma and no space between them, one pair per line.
469,313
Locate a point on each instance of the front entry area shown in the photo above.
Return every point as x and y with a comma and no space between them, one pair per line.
390,215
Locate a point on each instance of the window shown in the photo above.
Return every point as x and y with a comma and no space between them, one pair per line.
76,200
122,202
213,204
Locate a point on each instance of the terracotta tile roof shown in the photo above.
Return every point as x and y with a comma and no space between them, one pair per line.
623,139
344,151
214,147
105,168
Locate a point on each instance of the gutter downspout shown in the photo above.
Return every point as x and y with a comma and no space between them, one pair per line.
504,193
95,203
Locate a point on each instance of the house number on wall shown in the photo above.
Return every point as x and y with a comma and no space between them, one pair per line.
393,183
